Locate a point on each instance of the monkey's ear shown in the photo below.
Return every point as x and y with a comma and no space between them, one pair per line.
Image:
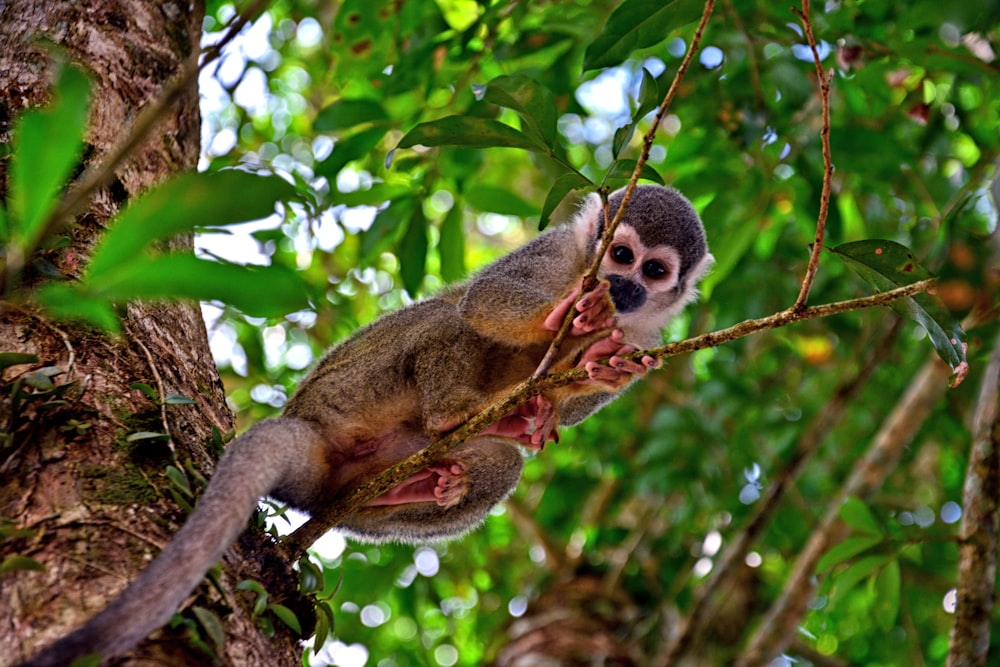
698,271
588,224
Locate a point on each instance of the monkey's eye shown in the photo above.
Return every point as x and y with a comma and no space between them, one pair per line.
622,254
654,269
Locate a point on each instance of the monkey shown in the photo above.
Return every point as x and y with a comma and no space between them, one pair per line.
412,375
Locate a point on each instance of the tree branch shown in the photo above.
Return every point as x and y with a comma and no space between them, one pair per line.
590,278
969,642
355,499
824,200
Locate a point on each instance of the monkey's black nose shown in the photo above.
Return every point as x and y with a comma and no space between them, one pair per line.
627,294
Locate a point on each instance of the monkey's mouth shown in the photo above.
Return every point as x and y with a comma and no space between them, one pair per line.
628,295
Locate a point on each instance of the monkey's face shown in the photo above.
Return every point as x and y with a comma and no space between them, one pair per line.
638,274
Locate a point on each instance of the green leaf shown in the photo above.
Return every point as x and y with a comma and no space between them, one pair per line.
887,585
846,550
311,579
562,187
374,196
532,101
178,399
89,660
324,627
344,114
849,578
8,359
145,389
179,480
636,24
470,132
622,170
887,265
17,563
146,435
349,149
451,245
182,204
413,252
858,516
385,228
67,302
495,199
212,625
47,147
286,616
649,99
259,291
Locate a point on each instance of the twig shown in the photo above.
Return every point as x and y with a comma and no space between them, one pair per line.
969,642
589,279
824,200
352,501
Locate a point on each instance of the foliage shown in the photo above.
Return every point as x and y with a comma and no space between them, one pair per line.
426,138
390,117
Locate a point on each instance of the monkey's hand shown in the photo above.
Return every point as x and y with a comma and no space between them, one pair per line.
532,425
619,371
444,483
596,309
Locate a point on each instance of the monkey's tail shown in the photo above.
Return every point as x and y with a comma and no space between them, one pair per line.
251,467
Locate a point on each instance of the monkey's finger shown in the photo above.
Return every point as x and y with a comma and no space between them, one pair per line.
555,318
627,366
601,373
651,362
594,297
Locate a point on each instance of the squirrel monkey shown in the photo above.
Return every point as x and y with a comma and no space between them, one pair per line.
414,374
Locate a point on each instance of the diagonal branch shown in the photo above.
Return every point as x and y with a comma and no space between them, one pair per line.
590,278
355,499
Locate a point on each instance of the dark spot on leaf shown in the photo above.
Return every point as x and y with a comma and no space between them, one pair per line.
359,48
354,18
908,267
337,37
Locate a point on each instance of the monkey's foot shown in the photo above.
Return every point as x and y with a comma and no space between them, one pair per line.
532,425
444,484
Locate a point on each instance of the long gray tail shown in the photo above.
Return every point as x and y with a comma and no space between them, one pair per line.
252,467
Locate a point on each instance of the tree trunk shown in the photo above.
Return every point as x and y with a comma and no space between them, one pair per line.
75,495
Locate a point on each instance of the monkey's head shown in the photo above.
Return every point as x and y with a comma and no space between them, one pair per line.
657,256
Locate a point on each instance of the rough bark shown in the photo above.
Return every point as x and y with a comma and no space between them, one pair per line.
977,566
91,507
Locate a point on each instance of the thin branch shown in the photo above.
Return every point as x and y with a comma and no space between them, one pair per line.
824,200
355,499
977,565
590,278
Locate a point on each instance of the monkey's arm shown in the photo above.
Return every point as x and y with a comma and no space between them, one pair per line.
521,298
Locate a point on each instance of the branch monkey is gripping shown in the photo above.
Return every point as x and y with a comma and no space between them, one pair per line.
416,373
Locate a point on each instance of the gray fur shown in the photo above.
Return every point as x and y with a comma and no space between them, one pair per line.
663,216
